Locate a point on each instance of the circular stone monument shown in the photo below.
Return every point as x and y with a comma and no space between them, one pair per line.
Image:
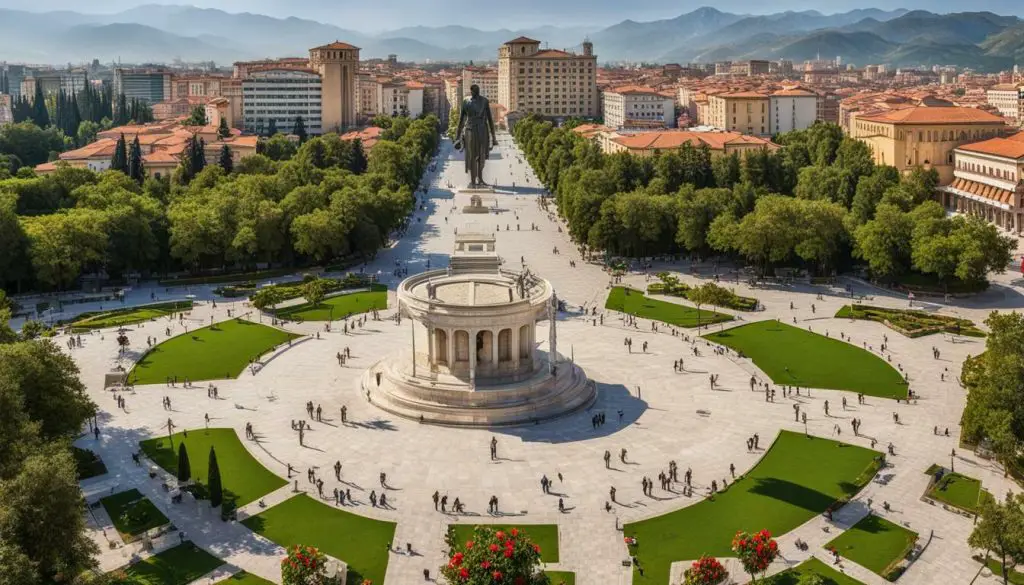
473,358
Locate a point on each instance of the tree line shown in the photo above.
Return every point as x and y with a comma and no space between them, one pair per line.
818,203
289,205
46,125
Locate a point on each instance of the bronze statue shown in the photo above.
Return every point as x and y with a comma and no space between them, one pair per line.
476,134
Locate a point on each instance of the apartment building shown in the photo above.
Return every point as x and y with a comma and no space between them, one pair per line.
1008,99
282,95
746,112
653,143
793,108
401,98
483,77
151,86
925,136
547,82
633,106
987,182
453,91
368,92
69,81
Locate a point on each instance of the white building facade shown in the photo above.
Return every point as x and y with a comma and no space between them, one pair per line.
1009,100
282,95
792,109
638,107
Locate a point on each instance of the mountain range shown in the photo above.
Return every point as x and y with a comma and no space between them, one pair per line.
164,33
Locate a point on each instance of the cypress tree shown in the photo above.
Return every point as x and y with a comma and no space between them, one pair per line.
119,160
40,115
358,157
300,129
226,162
121,115
214,485
75,118
184,467
223,131
136,168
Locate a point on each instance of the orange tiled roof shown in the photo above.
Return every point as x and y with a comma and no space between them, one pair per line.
794,92
521,40
983,190
552,54
675,139
1003,147
627,89
338,45
935,115
745,95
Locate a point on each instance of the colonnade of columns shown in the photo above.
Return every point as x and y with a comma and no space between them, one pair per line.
1005,219
488,348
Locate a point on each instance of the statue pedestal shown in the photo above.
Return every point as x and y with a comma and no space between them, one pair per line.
476,203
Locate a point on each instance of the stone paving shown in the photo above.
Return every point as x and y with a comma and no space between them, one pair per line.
659,421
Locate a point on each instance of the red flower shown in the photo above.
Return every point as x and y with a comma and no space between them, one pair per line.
493,547
469,544
536,548
485,564
464,573
496,575
500,535
508,553
515,532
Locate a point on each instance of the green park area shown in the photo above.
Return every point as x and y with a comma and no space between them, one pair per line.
243,578
959,491
1013,576
180,565
561,577
634,302
244,479
129,316
340,306
358,541
797,357
88,463
132,514
543,535
875,544
811,566
798,478
215,352
911,323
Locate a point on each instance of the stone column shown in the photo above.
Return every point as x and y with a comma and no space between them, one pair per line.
430,346
472,357
513,342
412,331
451,349
494,348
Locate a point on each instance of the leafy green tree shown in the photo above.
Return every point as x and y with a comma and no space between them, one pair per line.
885,242
197,117
214,483
16,568
358,162
227,162
86,133
184,467
314,291
62,244
41,514
30,144
278,147
1000,531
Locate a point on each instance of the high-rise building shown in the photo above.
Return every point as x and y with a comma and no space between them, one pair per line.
548,82
1008,99
151,86
15,75
282,95
337,63
483,77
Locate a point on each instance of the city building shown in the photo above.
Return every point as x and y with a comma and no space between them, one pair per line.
369,98
793,108
483,77
6,115
651,143
742,111
1008,99
15,75
924,136
453,91
282,95
337,64
163,144
634,106
547,82
69,81
151,86
987,182
401,98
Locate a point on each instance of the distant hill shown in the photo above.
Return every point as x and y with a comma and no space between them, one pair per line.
161,33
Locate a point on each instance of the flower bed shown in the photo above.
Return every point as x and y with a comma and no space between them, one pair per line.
127,316
911,323
671,286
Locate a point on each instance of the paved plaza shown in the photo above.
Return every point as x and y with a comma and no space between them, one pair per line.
654,412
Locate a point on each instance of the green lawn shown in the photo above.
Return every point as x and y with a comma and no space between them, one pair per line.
176,566
339,306
1014,576
359,541
561,577
635,303
911,323
798,357
543,535
132,514
211,353
875,543
812,566
798,478
130,316
958,490
244,479
243,578
88,463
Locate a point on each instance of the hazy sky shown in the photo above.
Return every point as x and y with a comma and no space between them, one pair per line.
489,14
